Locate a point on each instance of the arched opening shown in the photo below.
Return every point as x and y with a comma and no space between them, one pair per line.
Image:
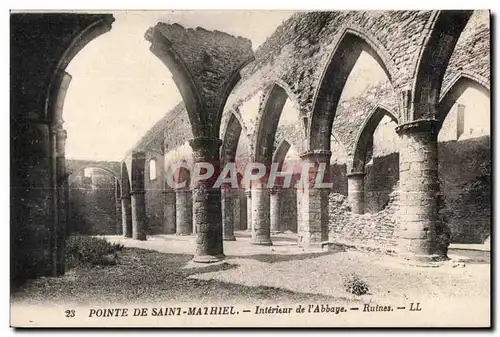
464,156
375,163
116,80
94,202
340,70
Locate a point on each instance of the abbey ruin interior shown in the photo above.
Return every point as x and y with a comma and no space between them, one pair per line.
409,156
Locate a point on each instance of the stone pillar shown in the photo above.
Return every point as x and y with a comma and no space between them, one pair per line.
248,194
126,215
169,211
184,211
228,195
275,211
243,210
207,213
137,196
356,192
419,189
61,136
261,217
236,205
313,214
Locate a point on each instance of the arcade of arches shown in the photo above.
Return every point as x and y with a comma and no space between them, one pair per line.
409,155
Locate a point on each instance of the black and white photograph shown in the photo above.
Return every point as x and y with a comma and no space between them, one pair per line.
250,168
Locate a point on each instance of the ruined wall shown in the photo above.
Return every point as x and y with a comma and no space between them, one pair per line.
465,179
92,204
370,230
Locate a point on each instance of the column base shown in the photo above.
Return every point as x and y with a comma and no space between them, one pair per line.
276,232
315,246
421,259
183,234
140,238
208,258
262,243
127,236
229,238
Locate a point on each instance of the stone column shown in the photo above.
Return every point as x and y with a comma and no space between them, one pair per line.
61,136
169,211
228,195
207,213
248,194
126,215
356,192
137,196
243,210
261,216
313,214
118,206
275,211
184,211
419,189
236,205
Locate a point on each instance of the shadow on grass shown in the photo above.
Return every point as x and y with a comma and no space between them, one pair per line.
150,276
277,257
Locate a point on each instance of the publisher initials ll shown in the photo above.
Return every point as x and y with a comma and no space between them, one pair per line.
415,306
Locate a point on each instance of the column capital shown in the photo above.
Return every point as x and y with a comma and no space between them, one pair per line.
248,193
420,125
203,142
275,190
317,155
355,174
138,155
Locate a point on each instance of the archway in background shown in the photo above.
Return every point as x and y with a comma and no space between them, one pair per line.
94,202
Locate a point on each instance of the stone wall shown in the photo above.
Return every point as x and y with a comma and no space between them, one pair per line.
93,205
465,181
363,230
153,198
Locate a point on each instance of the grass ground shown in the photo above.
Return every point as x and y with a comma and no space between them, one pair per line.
160,270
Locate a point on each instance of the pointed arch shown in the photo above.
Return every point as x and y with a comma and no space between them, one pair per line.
334,77
455,89
268,121
230,139
162,48
280,153
57,80
365,136
433,61
227,88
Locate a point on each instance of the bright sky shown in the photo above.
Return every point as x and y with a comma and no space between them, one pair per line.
120,89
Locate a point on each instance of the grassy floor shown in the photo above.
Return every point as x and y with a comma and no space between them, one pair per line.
160,270
146,275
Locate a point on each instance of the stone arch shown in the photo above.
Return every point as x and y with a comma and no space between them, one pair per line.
455,89
230,140
365,134
57,81
270,112
227,89
95,166
333,80
433,61
281,152
162,48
